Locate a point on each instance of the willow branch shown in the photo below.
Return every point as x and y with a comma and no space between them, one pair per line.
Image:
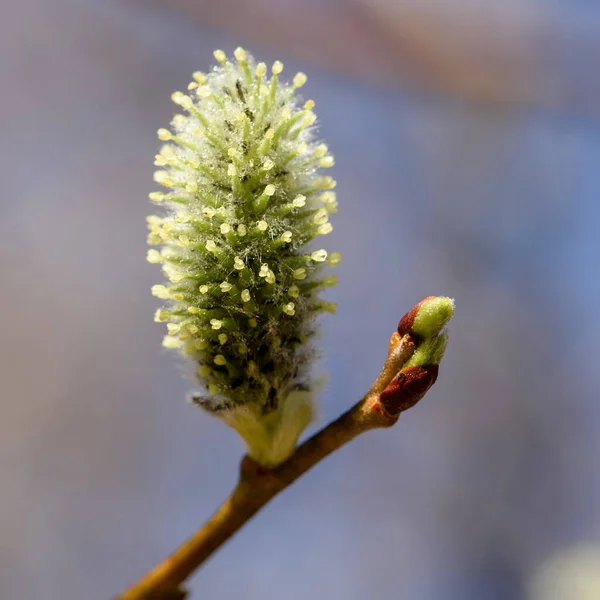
380,407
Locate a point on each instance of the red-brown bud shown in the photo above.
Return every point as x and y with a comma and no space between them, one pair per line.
407,388
406,322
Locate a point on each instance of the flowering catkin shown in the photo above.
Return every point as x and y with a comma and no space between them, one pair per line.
246,204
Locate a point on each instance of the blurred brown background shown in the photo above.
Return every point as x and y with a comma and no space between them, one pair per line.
467,145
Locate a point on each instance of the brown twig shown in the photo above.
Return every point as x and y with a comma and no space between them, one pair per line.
256,485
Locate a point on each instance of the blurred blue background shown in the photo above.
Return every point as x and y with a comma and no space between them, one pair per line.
467,143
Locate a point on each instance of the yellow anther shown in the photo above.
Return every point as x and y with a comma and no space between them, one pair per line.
289,308
261,69
220,360
173,328
225,287
325,229
153,256
334,259
320,217
246,296
213,389
160,291
241,230
268,165
175,276
299,273
204,370
199,77
231,170
203,92
269,190
209,212
192,186
240,54
286,236
161,315
252,322
177,97
238,263
216,324
186,102
310,118
320,150
309,105
225,228
155,228
211,246
203,289
299,201
222,338
193,310
231,152
179,122
182,100
164,134
277,67
299,80
156,196
170,342
154,239
293,291
220,56
327,161
319,255
270,278
330,201
154,220
200,344
262,225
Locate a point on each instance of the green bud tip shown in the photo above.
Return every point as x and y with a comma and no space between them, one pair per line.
427,318
429,352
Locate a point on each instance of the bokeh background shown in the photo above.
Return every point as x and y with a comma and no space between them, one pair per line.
467,139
